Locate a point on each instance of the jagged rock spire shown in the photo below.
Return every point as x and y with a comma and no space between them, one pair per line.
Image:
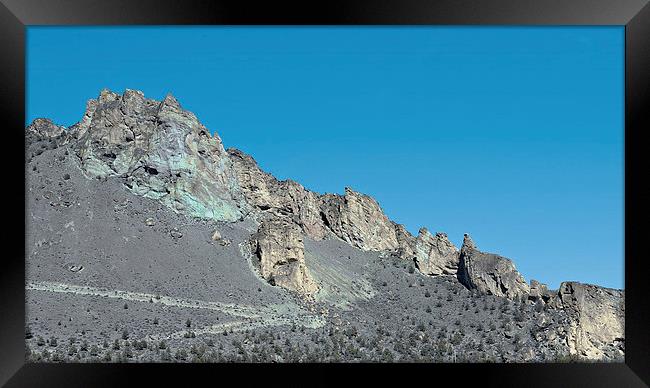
489,273
435,255
468,243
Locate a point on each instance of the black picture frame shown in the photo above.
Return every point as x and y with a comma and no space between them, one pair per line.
15,15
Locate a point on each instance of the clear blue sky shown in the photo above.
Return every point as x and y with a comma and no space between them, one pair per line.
512,134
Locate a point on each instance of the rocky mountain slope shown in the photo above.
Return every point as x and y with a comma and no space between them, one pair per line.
138,204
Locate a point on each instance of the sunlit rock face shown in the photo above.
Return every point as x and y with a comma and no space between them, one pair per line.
597,320
405,243
435,255
161,151
279,246
489,273
274,198
353,217
359,220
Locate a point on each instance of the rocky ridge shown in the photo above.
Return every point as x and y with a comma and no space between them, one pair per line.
489,273
161,151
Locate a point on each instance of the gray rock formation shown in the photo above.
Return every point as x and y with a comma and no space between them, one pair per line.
489,273
435,255
162,152
539,291
42,135
278,198
597,316
405,243
279,246
359,220
354,217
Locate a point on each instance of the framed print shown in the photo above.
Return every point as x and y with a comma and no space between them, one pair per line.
291,193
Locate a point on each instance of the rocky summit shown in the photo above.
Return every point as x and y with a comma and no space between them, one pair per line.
147,241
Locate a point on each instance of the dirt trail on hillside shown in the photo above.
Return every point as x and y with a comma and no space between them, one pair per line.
253,316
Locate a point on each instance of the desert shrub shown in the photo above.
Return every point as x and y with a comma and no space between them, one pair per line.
140,345
127,352
520,316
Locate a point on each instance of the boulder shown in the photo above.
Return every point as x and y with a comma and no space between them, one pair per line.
278,244
597,320
489,273
435,255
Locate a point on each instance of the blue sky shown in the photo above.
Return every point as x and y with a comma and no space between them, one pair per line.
512,134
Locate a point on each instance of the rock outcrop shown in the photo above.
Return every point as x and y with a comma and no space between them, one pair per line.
161,151
435,255
354,217
359,220
597,316
539,291
405,243
42,135
278,245
489,273
278,198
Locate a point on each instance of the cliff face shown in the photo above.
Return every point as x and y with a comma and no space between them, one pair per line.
489,273
160,151
435,255
272,198
357,219
279,246
597,329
